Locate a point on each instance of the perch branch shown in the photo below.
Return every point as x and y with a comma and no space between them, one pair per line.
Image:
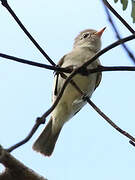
32,63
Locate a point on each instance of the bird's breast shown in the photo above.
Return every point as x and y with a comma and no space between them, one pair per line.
71,100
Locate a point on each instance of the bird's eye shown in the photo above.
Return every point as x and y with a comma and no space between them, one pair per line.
85,35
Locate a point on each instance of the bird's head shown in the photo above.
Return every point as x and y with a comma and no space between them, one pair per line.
89,38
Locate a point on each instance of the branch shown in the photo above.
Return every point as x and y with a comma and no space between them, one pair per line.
117,34
39,121
111,122
15,170
6,5
118,16
111,68
32,63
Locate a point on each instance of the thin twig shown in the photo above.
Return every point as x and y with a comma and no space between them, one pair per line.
32,63
39,121
117,33
110,121
6,5
132,143
118,16
110,68
67,70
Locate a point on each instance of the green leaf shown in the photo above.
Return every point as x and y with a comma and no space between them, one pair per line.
124,3
133,11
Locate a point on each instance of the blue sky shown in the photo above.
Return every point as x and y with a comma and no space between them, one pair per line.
88,147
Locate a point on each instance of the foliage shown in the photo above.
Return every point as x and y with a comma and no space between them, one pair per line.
133,11
124,6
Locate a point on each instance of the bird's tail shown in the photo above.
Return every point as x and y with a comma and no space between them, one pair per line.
46,141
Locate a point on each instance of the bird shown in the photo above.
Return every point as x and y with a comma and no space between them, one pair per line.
85,46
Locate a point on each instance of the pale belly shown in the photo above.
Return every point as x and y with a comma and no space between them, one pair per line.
71,100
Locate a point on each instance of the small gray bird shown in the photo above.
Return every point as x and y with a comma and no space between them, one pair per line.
86,45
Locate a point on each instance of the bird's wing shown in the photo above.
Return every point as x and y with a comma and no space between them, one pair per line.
98,80
61,61
56,85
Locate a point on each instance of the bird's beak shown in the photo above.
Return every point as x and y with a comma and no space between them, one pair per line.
99,33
